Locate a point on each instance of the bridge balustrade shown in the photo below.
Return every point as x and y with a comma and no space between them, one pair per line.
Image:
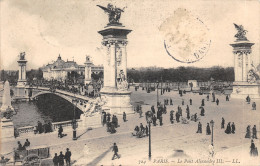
24,131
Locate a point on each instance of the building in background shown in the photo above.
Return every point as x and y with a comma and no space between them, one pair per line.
61,70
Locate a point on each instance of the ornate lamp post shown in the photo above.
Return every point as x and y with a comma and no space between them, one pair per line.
74,122
149,116
212,125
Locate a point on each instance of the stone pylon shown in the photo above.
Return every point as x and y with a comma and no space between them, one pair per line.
6,101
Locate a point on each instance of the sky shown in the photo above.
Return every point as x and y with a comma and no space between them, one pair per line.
46,28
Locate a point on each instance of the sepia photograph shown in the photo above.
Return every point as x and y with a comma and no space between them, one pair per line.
129,83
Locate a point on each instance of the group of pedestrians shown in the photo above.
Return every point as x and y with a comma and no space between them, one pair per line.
140,131
166,101
43,128
248,132
59,160
24,146
230,129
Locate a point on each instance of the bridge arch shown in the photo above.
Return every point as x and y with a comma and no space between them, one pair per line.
69,99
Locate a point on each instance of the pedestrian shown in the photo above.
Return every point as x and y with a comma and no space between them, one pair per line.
217,101
154,120
61,159
223,123
188,112
177,117
171,117
208,97
116,121
213,97
253,149
195,117
227,98
233,128
26,143
171,103
208,131
202,102
248,132
153,110
108,117
228,129
248,99
104,120
199,128
190,101
254,136
253,106
3,161
20,147
55,160
202,111
182,102
160,121
115,149
39,127
140,112
141,127
60,132
67,157
136,129
124,116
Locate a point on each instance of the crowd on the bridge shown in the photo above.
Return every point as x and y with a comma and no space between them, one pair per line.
90,90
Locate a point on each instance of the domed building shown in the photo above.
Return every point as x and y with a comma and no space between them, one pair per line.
61,70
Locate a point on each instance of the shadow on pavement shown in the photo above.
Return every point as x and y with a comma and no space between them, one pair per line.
84,133
99,158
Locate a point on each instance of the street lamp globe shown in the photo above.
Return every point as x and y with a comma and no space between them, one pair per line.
149,116
212,123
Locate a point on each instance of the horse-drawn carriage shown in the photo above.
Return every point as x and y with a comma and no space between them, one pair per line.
32,156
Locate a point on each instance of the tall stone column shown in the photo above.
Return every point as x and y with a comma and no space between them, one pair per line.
115,92
88,71
124,58
113,65
22,70
245,83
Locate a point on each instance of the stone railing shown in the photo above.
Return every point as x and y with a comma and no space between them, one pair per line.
22,131
64,124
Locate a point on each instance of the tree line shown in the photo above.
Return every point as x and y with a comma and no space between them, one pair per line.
180,74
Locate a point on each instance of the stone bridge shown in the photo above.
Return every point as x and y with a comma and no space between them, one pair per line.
37,91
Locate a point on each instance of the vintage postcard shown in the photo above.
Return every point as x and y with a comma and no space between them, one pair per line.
133,82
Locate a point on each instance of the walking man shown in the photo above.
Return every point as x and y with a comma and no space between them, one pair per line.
115,149
55,160
217,101
208,129
254,132
233,128
67,157
223,123
199,128
61,159
124,116
253,106
190,101
60,132
188,112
